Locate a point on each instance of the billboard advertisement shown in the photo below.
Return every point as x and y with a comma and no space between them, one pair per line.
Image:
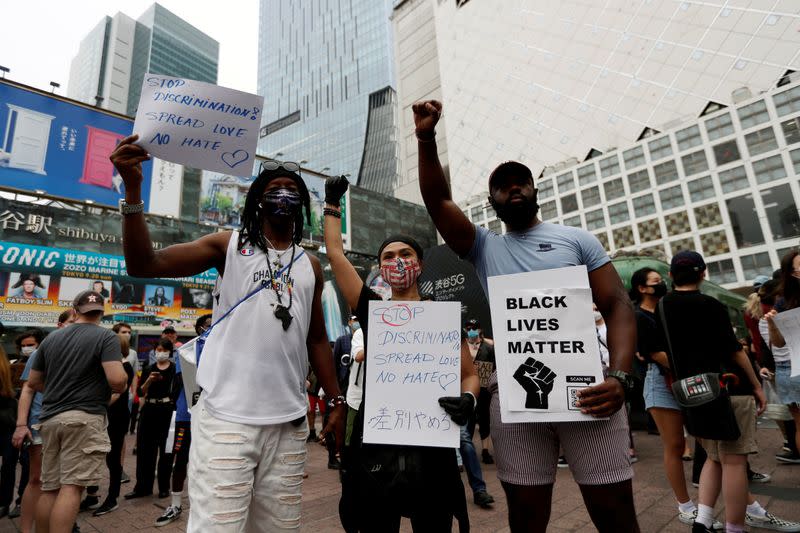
52,144
37,283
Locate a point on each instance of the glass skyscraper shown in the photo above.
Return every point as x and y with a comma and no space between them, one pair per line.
318,63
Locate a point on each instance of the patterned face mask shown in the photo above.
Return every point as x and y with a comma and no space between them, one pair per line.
281,202
400,273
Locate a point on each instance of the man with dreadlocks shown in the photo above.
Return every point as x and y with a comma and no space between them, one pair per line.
249,427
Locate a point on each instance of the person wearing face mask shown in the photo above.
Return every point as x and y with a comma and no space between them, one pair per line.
254,362
157,390
367,504
527,454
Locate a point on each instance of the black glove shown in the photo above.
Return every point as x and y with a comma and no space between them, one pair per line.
335,189
460,408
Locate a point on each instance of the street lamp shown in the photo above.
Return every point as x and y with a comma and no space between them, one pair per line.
4,70
98,100
55,86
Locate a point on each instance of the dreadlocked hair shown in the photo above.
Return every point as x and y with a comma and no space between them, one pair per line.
252,215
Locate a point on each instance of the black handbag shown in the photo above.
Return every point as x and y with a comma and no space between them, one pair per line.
703,398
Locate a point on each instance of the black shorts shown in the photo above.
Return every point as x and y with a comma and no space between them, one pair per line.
183,440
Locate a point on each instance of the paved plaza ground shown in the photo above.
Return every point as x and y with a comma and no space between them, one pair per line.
654,501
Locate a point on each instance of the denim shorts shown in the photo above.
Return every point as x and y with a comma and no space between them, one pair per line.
788,387
656,392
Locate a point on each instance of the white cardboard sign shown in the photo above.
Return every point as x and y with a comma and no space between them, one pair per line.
545,343
198,124
413,359
788,323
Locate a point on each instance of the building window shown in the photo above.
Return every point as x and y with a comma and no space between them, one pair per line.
721,271
726,152
769,169
783,251
623,237
595,219
569,203
715,243
672,197
688,138
618,213
744,221
665,172
701,188
660,148
707,216
782,215
795,155
587,175
681,244
753,114
639,181
791,130
633,157
677,223
787,101
545,189
761,141
575,221
477,214
720,126
694,163
490,212
549,211
565,182
590,196
756,265
733,179
496,226
644,205
603,238
649,230
609,166
614,189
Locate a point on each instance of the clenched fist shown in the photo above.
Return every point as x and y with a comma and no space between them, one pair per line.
426,114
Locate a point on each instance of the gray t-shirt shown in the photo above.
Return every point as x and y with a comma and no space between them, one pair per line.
543,247
71,360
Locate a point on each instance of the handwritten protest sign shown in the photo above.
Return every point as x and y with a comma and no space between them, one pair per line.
199,124
545,343
413,359
788,323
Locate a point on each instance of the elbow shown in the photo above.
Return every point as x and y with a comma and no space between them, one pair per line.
118,386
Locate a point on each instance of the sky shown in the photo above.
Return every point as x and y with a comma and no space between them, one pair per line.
39,38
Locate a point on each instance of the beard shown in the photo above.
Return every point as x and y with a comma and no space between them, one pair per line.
517,215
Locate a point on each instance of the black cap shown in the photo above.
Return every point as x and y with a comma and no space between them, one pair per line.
401,238
509,168
169,329
687,261
472,323
88,301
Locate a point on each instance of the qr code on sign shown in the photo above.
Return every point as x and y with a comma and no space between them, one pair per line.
572,398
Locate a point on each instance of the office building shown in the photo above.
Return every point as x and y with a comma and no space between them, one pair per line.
113,58
725,184
321,69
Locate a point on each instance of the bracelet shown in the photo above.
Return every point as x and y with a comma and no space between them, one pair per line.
332,212
22,425
337,401
425,140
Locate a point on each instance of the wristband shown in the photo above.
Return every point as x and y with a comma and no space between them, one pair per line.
336,401
428,137
22,425
332,212
474,399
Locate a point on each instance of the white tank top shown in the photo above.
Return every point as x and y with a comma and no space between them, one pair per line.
251,370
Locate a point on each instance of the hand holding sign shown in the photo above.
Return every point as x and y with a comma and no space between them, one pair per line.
602,400
127,159
460,408
537,380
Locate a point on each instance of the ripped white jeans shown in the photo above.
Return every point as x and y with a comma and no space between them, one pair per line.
244,478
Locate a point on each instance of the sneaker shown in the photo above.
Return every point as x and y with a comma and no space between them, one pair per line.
634,458
90,502
689,518
312,436
769,521
133,494
15,512
125,478
562,462
759,477
483,499
107,507
170,515
695,484
487,458
697,527
788,457
334,465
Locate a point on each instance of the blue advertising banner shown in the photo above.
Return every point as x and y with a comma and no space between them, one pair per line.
62,148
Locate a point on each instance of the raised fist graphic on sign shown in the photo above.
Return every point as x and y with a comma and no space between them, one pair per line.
537,380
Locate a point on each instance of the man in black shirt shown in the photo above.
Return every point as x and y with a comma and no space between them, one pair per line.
702,340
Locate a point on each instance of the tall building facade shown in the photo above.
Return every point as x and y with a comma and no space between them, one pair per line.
542,81
113,58
725,185
318,64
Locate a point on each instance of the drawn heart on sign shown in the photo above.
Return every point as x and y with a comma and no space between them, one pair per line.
446,379
234,158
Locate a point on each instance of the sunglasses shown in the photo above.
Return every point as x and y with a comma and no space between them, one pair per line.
288,166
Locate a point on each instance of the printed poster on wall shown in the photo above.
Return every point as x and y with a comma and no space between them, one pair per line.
545,343
413,359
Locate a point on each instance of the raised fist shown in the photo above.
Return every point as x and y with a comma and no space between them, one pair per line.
335,188
537,380
426,115
127,159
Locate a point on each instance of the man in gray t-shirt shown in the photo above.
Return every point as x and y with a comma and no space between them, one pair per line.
526,454
77,369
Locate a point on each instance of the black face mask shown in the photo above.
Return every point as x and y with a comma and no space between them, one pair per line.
517,215
659,289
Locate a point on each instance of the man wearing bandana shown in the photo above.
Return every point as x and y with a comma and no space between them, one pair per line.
526,454
249,427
